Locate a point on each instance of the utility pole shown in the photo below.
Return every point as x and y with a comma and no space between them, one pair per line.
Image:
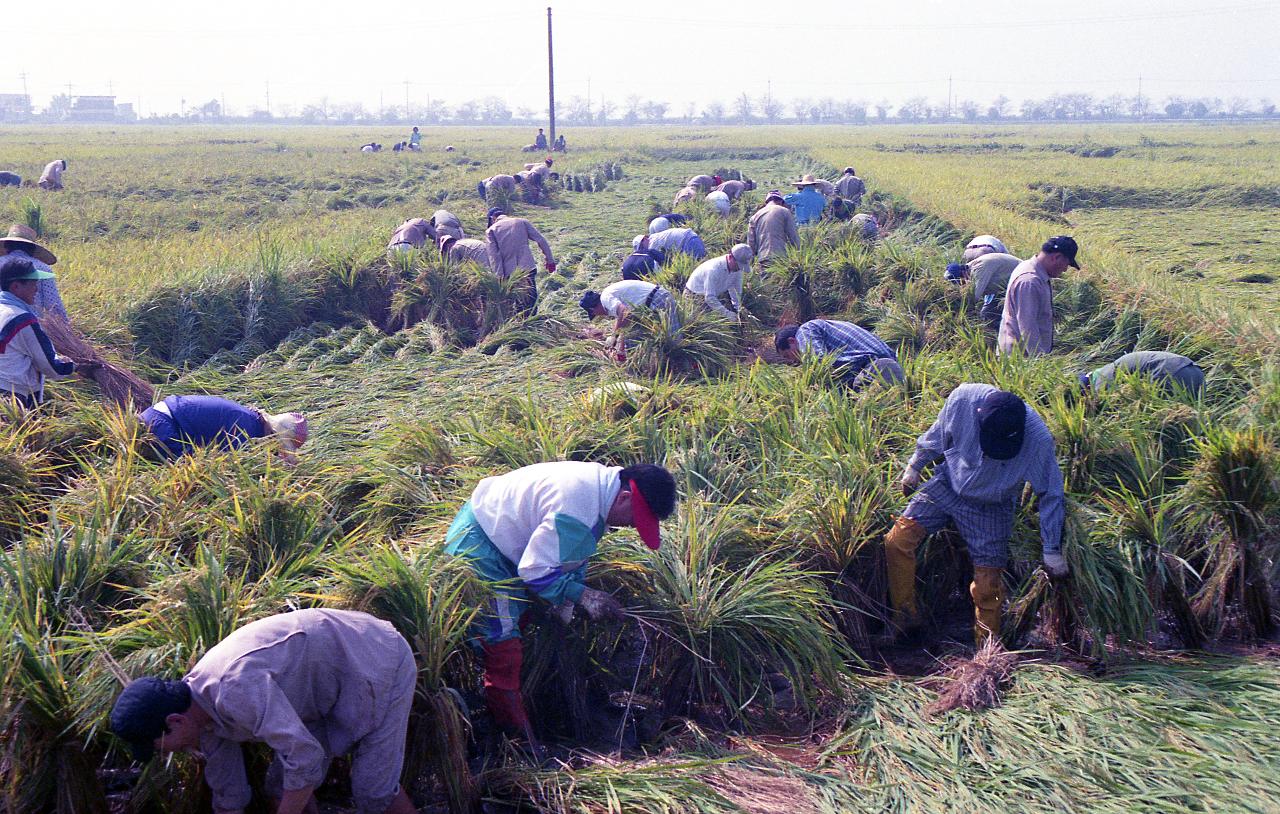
949,97
406,99
1139,110
268,98
24,83
588,100
222,104
551,80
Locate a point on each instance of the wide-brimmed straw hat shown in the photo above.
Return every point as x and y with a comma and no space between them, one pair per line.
806,181
18,233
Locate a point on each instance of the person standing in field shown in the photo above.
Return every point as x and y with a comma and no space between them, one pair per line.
508,240
312,684
1173,371
1027,319
850,187
411,235
990,443
772,229
719,276
20,242
859,355
530,533
415,140
27,357
808,203
51,178
180,424
540,140
465,250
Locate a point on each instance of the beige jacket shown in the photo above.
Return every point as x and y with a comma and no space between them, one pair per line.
1028,311
508,240
771,230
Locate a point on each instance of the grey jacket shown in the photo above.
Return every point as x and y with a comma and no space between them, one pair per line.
771,230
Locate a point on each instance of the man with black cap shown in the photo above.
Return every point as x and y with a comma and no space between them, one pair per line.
531,531
1027,319
508,238
850,187
312,684
991,444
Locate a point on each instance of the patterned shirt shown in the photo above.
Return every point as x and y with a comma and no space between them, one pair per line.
852,345
978,479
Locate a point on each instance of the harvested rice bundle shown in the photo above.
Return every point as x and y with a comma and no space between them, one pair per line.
974,684
120,386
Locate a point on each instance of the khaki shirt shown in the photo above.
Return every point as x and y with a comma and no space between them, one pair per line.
508,240
771,230
309,684
1028,311
990,273
470,249
414,231
851,187
686,194
733,189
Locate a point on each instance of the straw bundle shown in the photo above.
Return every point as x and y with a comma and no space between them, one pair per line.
119,386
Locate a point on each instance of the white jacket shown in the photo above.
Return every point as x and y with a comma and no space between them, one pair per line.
27,356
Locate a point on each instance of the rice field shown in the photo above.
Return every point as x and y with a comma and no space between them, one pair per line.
250,263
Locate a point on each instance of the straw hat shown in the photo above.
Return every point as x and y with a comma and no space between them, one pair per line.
807,181
27,236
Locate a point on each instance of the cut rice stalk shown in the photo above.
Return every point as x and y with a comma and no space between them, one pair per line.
974,684
119,386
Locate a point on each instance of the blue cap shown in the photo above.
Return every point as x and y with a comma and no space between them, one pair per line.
496,211
955,272
1085,381
138,717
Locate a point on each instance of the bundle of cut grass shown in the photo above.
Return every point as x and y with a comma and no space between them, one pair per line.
974,684
119,386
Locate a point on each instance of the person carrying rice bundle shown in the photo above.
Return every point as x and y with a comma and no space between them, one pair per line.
27,356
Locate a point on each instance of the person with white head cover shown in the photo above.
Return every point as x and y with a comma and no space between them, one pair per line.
720,202
983,244
659,225
179,424
721,275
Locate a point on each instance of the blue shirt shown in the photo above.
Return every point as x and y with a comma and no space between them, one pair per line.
679,240
640,265
979,479
852,345
808,203
186,422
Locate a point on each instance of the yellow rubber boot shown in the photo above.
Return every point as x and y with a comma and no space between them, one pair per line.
987,590
900,561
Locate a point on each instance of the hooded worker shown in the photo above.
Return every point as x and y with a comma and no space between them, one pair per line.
313,685
990,444
180,424
530,533
718,276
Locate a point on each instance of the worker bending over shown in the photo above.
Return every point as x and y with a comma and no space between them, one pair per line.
719,276
1171,370
180,424
859,355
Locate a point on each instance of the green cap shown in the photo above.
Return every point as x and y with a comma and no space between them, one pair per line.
36,274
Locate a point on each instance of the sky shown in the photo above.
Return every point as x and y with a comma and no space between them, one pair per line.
165,55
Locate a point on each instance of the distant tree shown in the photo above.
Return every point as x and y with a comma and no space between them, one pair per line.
59,107
1139,105
211,110
493,110
435,111
855,112
631,109
1238,106
826,110
349,112
1001,107
1111,107
1198,109
466,112
314,113
742,108
713,113
770,108
690,112
1266,108
655,111
606,110
1078,105
801,109
1175,107
578,111
1034,109
914,109
882,110
968,109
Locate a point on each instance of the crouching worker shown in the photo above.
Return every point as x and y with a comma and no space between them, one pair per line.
312,684
991,443
531,531
859,355
27,357
620,299
179,424
1173,371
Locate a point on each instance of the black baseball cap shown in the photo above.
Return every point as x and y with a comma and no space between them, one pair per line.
588,301
1063,245
140,711
1002,425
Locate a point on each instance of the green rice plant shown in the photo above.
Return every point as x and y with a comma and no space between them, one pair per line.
520,432
31,213
25,474
433,599
702,344
1236,489
725,616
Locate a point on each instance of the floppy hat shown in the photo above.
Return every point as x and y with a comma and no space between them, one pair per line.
1002,425
807,181
775,195
643,518
742,253
18,233
659,224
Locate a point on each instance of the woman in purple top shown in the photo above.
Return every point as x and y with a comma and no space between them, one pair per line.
182,423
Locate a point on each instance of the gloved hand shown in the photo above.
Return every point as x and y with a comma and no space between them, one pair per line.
1056,565
563,613
600,605
910,482
551,267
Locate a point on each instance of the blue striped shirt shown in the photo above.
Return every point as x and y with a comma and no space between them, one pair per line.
982,480
853,346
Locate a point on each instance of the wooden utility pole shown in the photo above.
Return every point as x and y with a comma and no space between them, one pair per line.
551,81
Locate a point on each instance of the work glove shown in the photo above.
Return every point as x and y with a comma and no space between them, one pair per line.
599,605
910,482
551,267
1056,565
563,613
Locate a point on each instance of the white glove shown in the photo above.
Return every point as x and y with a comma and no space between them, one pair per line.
910,481
1056,565
600,605
563,613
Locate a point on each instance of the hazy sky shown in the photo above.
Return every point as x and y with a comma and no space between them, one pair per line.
694,51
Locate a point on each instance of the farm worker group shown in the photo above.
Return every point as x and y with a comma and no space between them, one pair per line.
530,533
312,685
